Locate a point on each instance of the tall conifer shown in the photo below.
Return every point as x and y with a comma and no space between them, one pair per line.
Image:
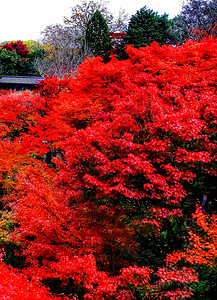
97,36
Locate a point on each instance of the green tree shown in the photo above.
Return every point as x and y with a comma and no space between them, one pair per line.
10,63
145,27
33,59
82,12
97,36
20,61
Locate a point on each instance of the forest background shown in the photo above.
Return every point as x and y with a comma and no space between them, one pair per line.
108,170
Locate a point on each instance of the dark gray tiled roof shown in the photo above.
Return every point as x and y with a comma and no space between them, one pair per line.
20,79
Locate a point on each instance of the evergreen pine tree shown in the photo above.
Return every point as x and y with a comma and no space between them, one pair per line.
97,36
145,27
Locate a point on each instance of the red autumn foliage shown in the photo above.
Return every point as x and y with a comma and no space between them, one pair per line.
200,33
131,135
54,86
152,125
14,286
17,115
18,46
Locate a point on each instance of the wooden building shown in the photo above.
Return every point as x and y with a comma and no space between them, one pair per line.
19,82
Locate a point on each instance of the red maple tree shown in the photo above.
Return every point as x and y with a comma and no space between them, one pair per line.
132,136
18,46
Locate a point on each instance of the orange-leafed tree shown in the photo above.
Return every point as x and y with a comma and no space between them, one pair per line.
203,241
201,252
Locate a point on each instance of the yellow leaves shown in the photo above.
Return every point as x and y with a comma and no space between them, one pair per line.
32,45
48,48
5,227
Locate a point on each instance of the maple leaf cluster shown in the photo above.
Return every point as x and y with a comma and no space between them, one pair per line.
16,286
96,167
17,46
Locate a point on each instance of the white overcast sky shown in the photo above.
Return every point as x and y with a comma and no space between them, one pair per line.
25,19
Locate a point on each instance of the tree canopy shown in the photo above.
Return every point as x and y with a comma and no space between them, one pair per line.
97,36
100,172
198,18
17,60
145,27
